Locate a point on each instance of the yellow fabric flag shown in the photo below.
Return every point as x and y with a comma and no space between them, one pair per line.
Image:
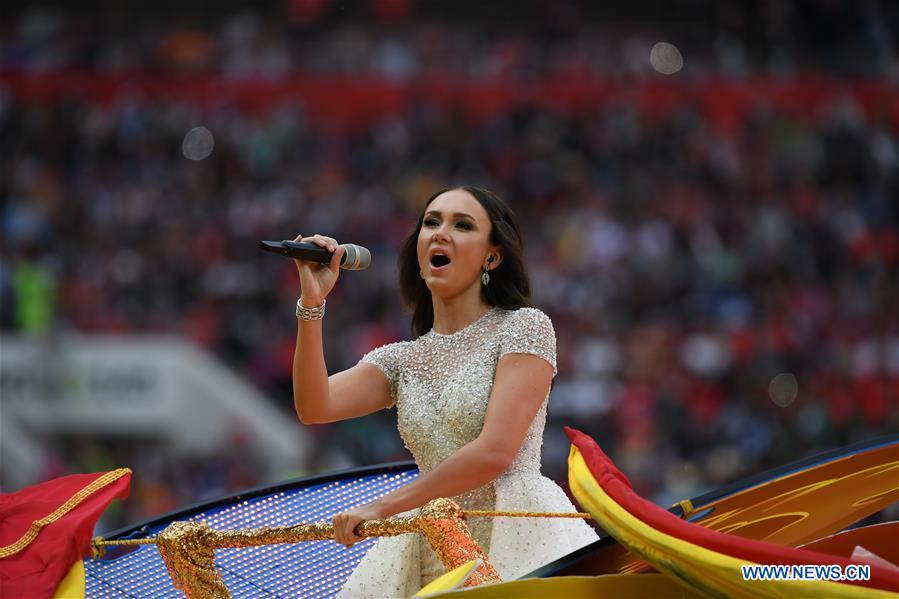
72,585
692,565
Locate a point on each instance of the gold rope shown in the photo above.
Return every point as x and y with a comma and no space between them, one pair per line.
187,548
73,502
493,514
99,543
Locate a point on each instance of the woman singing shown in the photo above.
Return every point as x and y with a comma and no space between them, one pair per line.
471,392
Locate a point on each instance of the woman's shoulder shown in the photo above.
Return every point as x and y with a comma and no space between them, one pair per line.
529,331
527,319
392,352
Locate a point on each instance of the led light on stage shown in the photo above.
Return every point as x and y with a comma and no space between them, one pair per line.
313,568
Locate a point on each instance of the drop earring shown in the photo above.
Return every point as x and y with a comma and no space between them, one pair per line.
485,277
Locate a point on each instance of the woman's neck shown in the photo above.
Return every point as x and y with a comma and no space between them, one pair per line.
451,315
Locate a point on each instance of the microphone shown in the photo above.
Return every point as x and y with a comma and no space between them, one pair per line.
355,257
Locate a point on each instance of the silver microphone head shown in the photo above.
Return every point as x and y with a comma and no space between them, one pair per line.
355,258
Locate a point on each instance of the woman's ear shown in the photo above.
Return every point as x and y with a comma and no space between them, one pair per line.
494,259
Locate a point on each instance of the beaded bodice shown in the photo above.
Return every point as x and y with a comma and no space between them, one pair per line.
441,384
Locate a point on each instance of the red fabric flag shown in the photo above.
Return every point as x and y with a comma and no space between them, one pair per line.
46,528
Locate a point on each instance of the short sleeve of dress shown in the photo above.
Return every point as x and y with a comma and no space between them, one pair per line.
529,331
388,359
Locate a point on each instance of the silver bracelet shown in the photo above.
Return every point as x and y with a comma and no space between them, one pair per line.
308,314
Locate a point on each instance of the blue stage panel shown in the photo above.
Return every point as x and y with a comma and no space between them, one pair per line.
305,569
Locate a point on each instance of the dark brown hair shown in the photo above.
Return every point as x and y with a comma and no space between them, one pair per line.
509,286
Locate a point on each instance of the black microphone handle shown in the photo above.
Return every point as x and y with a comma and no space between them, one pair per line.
310,252
354,257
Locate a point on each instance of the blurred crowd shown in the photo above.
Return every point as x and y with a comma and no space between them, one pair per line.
405,39
725,300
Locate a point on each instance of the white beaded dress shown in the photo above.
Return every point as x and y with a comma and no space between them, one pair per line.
440,385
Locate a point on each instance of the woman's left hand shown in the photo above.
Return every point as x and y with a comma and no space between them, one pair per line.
345,523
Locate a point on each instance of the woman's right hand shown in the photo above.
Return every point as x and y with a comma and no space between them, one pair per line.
317,280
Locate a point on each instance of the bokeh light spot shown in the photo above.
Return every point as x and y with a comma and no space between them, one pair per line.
198,143
666,58
783,389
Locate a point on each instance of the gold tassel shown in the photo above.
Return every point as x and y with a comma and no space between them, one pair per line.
188,548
